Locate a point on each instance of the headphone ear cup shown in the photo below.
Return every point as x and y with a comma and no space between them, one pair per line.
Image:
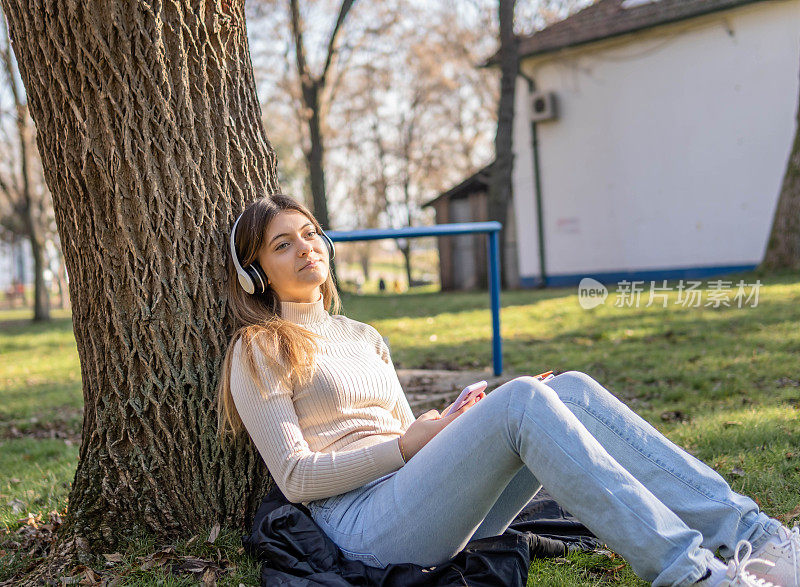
258,277
330,245
245,281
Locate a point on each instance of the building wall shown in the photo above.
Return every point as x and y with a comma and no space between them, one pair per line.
16,263
669,149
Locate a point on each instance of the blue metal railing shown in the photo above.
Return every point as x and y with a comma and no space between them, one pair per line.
490,228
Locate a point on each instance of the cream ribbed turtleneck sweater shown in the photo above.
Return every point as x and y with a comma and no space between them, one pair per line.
338,432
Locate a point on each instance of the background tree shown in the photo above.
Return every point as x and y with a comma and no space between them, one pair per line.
417,109
783,246
312,87
26,204
500,177
151,141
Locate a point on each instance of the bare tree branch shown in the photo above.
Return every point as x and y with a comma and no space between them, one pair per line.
345,8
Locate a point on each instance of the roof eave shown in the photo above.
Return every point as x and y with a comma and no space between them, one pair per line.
536,53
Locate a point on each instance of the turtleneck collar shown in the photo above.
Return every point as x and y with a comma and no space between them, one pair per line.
304,312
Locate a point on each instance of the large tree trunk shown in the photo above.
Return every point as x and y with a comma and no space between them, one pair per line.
783,246
151,140
500,191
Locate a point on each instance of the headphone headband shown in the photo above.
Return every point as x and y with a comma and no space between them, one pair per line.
244,279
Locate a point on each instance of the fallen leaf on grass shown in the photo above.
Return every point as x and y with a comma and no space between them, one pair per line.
157,559
214,533
795,513
738,471
186,564
113,558
192,564
209,578
34,537
17,505
82,575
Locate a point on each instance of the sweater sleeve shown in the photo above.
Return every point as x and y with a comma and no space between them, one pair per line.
301,474
402,411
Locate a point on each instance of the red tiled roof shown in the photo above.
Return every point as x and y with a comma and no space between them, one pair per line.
608,18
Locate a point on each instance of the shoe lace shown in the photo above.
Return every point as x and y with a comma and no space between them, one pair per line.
792,543
739,567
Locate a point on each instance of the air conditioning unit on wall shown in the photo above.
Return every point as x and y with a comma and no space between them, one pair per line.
543,106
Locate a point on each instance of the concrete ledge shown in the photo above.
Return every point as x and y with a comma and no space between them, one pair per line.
436,389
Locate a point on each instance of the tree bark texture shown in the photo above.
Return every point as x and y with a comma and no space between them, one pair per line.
783,246
500,186
151,141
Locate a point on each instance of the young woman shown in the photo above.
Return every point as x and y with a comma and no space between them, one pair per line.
319,396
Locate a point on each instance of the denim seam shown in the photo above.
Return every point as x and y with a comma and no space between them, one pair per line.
655,462
509,438
362,554
327,507
567,455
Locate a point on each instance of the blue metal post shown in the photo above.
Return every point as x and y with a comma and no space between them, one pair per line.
491,229
494,288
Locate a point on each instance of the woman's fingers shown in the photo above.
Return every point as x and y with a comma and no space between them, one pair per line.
469,404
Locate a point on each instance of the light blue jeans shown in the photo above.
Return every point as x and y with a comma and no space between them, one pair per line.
656,505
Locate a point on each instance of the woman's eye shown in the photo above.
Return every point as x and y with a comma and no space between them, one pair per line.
312,233
280,246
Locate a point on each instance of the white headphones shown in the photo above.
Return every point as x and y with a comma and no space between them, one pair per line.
252,278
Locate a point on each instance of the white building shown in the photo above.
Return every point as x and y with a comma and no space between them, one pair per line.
674,120
16,264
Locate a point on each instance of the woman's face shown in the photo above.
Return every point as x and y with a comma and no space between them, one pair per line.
294,257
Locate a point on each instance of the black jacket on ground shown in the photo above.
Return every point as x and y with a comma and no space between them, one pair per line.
295,552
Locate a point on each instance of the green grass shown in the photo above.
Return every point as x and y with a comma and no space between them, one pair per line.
722,382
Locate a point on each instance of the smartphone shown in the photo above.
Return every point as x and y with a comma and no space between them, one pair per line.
466,395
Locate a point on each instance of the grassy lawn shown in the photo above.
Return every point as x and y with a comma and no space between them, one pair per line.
722,382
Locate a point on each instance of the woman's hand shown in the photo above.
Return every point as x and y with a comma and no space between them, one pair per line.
429,425
479,396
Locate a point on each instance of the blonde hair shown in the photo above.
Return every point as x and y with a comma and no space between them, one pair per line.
288,347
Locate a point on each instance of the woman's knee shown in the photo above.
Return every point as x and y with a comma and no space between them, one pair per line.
576,385
528,389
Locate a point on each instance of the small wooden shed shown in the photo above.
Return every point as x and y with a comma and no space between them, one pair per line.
463,258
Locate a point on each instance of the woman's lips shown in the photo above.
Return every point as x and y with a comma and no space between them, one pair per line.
311,264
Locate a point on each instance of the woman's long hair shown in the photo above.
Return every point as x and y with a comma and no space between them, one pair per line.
287,347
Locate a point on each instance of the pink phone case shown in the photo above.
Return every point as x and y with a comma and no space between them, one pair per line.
466,395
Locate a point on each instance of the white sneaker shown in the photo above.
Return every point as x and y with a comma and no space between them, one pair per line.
785,559
738,574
